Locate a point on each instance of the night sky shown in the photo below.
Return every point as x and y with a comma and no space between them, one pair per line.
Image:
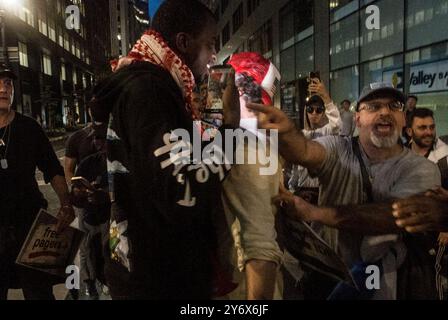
153,6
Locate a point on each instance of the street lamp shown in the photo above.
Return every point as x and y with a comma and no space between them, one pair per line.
6,5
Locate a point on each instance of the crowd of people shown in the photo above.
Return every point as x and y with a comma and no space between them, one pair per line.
370,178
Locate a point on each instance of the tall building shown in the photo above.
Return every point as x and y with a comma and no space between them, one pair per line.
339,38
99,41
128,20
139,20
54,64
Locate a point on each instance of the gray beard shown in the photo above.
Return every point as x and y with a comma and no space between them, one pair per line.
385,142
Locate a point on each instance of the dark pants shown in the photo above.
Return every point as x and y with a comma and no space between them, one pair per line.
33,289
313,286
35,285
32,293
90,251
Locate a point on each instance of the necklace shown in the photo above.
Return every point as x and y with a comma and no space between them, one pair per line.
3,161
2,141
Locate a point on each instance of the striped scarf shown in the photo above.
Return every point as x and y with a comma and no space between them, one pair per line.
153,48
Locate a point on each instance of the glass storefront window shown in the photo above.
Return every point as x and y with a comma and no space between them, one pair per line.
388,40
428,80
389,70
438,102
344,39
345,84
428,69
261,40
429,77
304,12
428,54
342,8
427,22
334,4
287,64
304,57
287,25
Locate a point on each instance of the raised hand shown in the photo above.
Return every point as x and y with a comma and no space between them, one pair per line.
271,118
318,88
422,213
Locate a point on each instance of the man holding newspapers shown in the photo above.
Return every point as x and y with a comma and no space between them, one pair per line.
360,178
24,148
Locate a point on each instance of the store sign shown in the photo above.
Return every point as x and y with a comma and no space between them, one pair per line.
394,77
429,77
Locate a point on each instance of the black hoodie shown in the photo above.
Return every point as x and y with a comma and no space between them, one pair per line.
165,216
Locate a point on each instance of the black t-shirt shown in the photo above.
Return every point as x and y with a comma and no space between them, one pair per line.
80,144
28,149
94,169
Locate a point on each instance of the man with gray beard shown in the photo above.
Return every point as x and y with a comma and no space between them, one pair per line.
360,178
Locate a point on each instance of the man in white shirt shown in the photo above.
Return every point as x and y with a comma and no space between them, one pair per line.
422,130
347,117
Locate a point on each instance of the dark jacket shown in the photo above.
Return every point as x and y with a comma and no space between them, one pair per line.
168,214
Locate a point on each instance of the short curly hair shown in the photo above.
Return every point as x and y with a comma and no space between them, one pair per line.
175,16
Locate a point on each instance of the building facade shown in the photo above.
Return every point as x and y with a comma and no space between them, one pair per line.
99,40
54,66
340,38
128,20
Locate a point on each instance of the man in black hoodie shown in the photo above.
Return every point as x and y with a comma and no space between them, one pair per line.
162,239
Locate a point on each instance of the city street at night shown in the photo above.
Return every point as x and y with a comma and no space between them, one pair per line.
227,157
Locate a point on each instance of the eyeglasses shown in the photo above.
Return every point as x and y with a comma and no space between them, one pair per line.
312,109
374,107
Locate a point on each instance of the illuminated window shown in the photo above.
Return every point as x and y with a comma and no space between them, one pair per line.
78,51
26,16
46,63
338,3
42,22
51,30
66,42
427,22
61,37
75,77
63,72
23,54
389,38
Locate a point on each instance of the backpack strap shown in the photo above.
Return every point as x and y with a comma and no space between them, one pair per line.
367,184
443,167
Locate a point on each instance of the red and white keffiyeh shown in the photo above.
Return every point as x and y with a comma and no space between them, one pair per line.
153,48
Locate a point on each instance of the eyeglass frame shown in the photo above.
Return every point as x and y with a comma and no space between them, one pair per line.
389,105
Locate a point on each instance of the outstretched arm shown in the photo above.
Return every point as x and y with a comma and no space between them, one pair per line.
365,219
293,146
